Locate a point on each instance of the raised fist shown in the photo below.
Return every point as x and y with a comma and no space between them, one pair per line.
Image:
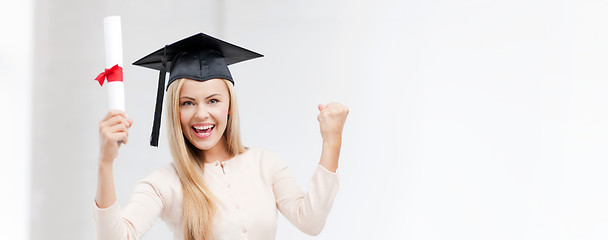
331,120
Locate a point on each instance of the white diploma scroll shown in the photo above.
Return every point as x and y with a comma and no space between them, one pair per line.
113,44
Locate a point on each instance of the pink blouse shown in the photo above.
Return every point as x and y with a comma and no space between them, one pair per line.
251,187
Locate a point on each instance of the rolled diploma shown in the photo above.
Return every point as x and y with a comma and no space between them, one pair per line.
113,44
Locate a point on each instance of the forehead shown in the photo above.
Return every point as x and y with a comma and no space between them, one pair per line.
195,88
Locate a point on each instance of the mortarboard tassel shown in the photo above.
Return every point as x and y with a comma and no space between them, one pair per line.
160,94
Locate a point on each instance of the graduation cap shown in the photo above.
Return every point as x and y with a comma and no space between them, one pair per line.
200,57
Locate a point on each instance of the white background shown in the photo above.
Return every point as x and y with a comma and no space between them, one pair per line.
469,119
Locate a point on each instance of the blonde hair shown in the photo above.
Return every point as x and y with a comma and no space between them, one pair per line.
199,204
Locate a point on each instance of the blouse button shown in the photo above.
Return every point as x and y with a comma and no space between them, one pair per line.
244,230
238,206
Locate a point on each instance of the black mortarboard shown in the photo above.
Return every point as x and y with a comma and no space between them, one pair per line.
199,57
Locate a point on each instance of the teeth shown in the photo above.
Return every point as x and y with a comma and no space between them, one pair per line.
202,128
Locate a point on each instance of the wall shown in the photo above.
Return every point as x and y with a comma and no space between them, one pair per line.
469,119
16,60
68,104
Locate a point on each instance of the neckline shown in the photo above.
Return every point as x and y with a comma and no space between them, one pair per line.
232,159
218,163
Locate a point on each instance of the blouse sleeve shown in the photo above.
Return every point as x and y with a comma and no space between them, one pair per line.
307,211
132,222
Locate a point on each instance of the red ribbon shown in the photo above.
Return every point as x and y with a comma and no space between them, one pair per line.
113,74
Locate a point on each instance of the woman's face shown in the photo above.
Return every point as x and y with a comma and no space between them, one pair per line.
203,112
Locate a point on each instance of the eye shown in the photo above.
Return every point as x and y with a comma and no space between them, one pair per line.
187,103
212,101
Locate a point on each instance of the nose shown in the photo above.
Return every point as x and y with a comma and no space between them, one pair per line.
202,113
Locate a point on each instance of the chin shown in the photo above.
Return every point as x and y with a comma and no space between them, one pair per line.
204,147
206,144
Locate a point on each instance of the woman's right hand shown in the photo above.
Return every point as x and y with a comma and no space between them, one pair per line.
113,131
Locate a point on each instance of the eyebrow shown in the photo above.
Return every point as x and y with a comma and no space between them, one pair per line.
212,95
191,98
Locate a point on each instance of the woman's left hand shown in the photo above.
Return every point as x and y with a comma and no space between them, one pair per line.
331,121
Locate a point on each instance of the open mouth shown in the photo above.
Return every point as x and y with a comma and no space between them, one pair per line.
203,131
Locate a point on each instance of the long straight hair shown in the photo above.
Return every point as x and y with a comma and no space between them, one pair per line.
199,204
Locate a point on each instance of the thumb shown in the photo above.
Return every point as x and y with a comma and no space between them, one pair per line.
321,107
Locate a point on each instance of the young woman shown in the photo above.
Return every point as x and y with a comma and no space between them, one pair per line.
215,188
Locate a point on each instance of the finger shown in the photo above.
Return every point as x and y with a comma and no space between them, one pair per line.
111,120
321,107
130,122
118,119
113,112
117,112
114,137
122,138
125,139
119,128
337,107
